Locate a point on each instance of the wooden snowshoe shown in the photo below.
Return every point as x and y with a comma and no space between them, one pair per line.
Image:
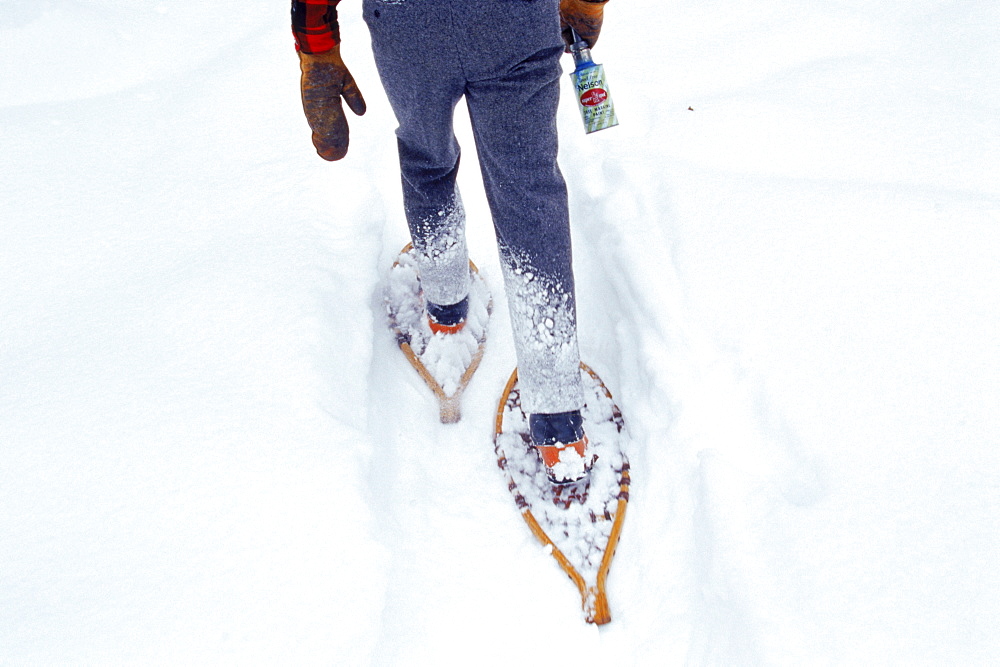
446,362
580,522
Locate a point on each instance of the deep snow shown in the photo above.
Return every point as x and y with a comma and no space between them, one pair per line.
211,452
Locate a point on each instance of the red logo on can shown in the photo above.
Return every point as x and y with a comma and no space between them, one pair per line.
593,97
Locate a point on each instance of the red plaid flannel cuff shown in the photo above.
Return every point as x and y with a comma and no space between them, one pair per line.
314,24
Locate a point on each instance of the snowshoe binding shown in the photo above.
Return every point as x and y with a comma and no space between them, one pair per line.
562,445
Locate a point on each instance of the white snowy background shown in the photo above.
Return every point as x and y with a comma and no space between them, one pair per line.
787,257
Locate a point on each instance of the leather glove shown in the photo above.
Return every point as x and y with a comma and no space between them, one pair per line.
584,16
325,79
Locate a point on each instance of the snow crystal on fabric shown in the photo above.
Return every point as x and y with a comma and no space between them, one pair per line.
543,320
442,255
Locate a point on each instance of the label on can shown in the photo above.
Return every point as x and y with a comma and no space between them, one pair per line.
593,98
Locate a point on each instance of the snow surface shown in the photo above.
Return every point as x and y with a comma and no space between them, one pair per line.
212,452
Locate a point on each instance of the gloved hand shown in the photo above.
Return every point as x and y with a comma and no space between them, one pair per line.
584,16
325,79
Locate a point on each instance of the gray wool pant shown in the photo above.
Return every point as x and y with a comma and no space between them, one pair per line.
503,57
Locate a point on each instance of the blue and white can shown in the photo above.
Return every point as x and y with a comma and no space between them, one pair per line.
592,94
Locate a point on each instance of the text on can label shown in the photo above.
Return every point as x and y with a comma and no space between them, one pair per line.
593,97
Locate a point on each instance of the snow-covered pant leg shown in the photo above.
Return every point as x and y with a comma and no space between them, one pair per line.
424,81
514,123
503,55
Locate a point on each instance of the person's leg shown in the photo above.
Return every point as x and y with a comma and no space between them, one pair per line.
423,80
514,123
